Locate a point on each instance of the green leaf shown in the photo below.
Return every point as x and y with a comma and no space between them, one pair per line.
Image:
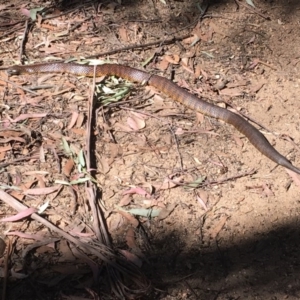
80,180
81,158
250,3
146,62
66,147
62,182
43,207
196,182
34,11
144,212
208,54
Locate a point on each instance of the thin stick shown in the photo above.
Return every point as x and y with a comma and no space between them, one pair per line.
99,226
177,147
19,87
90,190
160,42
213,182
191,289
24,39
3,165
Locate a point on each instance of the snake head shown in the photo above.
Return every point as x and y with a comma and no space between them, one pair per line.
13,71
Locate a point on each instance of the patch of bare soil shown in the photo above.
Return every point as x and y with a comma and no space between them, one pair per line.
142,197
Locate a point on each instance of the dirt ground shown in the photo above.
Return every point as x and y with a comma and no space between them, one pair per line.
184,197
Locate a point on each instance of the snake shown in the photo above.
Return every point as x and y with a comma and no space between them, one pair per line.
169,88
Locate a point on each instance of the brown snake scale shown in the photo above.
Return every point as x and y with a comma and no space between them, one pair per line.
169,88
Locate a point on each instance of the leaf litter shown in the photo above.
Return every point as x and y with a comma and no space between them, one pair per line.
135,167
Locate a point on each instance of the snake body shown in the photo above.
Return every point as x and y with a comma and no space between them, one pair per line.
169,88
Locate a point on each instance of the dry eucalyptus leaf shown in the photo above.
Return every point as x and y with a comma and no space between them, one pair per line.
67,168
130,238
114,221
129,217
103,165
165,212
126,199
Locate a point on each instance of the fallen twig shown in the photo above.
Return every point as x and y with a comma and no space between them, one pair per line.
160,42
13,162
16,85
214,182
24,39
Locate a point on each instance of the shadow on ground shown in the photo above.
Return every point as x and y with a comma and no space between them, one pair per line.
249,269
221,270
288,6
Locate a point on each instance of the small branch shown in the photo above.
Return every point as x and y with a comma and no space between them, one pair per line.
90,189
213,182
160,42
18,86
4,165
24,39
